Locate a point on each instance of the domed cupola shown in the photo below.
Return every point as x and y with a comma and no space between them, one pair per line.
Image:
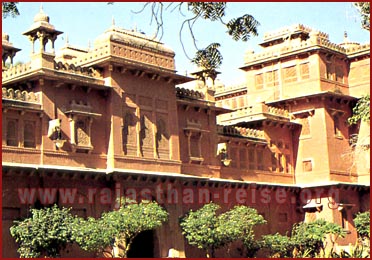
8,50
41,16
41,29
5,37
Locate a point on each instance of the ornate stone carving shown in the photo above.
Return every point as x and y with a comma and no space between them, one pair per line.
129,133
162,137
82,137
19,95
146,135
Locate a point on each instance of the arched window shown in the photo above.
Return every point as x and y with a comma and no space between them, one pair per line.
336,124
12,133
29,134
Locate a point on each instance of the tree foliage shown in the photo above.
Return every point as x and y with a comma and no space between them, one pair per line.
207,230
363,8
10,8
362,224
118,228
92,234
45,233
209,58
312,236
239,28
279,246
242,28
307,239
239,223
361,111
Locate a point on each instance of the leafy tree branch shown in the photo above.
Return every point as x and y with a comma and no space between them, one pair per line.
363,8
10,8
361,111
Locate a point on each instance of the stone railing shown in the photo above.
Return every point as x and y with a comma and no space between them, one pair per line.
21,69
102,51
71,68
262,109
16,71
330,45
80,106
276,111
286,31
240,132
189,93
284,48
222,88
143,56
358,48
259,109
126,52
20,95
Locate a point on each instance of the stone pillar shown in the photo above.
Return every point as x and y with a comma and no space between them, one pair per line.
72,130
32,39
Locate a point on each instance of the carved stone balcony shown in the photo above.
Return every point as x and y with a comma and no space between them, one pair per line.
258,112
20,99
241,132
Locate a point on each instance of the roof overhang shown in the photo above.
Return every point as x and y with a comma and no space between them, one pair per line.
139,69
323,94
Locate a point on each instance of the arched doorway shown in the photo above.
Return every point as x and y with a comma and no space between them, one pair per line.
143,245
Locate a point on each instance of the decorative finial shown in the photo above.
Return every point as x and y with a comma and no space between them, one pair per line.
66,39
41,8
113,21
89,44
345,36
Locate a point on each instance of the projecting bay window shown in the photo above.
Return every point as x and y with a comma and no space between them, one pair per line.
194,146
336,116
80,131
194,135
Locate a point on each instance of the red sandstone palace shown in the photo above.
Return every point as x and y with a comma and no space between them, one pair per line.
113,117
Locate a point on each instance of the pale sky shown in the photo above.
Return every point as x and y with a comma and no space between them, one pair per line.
84,22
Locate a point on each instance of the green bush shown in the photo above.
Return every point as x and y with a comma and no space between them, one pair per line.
278,245
45,233
118,228
362,224
209,231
